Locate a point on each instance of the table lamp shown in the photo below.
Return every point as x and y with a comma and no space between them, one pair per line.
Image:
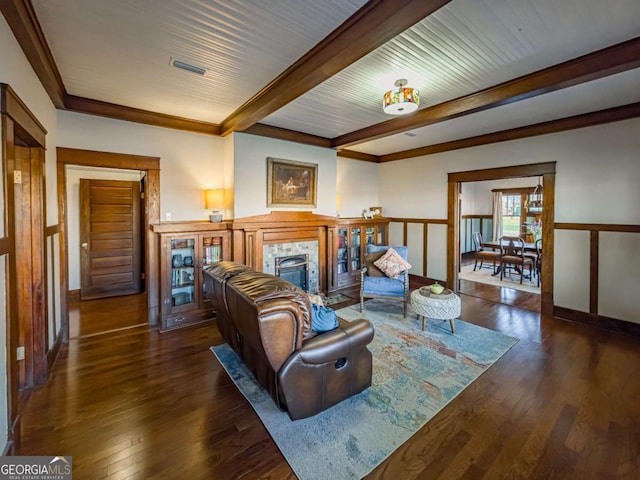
214,198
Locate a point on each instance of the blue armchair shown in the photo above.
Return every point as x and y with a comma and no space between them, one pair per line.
383,286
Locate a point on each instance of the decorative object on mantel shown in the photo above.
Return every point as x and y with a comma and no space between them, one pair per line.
368,213
291,183
401,100
214,198
377,212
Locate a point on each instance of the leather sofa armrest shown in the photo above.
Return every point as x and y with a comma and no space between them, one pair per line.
336,344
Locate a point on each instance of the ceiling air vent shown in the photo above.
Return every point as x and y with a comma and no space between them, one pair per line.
188,67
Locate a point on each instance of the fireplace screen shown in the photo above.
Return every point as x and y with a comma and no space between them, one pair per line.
295,269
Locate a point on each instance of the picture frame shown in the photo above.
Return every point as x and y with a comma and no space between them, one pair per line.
291,183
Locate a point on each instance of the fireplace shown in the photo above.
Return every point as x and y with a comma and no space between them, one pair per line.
295,269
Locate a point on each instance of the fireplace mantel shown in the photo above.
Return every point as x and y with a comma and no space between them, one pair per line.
250,234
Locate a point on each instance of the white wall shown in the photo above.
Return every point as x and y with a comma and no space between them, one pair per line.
596,182
357,187
189,162
477,197
16,71
250,173
74,174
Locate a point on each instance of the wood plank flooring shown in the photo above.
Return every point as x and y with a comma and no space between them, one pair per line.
136,404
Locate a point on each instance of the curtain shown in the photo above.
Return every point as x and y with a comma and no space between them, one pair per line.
497,215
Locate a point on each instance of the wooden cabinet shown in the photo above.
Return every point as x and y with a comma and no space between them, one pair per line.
185,248
348,241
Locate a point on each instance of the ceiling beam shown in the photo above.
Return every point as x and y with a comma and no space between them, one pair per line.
600,117
608,61
377,22
24,24
119,112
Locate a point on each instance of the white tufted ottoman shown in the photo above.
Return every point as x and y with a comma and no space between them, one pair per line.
443,306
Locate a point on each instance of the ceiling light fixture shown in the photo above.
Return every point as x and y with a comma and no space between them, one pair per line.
401,100
188,67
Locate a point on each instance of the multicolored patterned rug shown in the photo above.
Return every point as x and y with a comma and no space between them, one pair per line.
415,374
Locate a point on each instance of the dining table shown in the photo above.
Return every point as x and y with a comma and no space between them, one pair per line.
495,245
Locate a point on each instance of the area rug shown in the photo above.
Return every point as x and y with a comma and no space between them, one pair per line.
415,374
335,298
484,275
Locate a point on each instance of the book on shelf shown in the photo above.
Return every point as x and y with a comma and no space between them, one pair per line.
212,253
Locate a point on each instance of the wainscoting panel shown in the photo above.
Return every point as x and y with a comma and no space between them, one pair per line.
437,252
618,267
396,233
415,242
571,269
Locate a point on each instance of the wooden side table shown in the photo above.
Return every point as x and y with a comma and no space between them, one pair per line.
443,306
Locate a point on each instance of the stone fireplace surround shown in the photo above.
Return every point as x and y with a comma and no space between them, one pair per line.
256,238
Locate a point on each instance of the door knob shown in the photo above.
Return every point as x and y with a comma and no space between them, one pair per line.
85,245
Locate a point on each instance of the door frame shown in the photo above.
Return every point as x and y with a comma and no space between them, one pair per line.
91,158
545,170
20,128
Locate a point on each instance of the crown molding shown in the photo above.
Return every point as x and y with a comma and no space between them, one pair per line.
24,24
119,112
367,157
600,117
286,134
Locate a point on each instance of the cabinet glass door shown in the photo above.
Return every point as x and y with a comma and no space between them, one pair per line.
183,272
211,250
370,235
342,250
381,240
354,251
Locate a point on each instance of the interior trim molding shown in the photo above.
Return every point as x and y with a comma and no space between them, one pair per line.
367,157
515,171
598,227
25,26
607,61
137,115
600,117
598,321
264,130
25,121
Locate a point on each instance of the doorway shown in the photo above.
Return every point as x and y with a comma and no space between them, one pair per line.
544,170
150,207
489,210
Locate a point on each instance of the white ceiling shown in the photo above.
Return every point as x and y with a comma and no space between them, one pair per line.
119,51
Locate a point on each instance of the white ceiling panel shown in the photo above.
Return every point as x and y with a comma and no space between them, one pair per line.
119,51
616,90
464,47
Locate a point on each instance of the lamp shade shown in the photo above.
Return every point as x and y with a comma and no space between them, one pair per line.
213,198
401,100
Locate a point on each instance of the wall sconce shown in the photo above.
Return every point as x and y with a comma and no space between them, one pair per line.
213,199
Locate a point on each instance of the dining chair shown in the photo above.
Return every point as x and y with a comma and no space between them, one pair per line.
482,254
539,259
512,255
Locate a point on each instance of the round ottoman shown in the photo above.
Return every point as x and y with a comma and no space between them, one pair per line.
442,306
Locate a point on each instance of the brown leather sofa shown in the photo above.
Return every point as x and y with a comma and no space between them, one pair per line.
267,321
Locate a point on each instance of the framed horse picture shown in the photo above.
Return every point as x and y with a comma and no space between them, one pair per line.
291,183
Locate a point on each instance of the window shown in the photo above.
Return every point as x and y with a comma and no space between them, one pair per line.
511,211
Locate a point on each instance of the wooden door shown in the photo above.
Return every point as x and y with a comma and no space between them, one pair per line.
110,238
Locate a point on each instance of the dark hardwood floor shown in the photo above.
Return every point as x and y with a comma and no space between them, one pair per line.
94,317
137,404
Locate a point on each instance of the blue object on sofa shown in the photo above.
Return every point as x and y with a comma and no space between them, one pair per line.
385,287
